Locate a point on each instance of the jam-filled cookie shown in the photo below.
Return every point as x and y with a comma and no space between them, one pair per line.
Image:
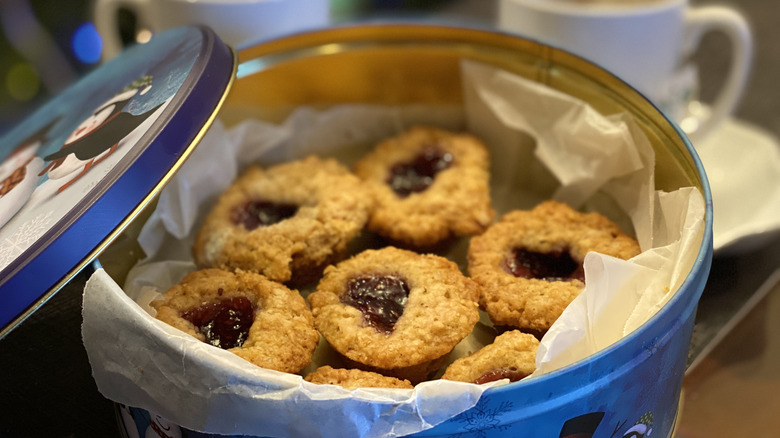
286,222
529,264
354,378
512,355
258,319
430,184
395,312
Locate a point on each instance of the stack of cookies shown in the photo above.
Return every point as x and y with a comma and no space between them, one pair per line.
393,310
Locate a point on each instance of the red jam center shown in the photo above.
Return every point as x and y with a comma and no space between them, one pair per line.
552,266
256,214
417,175
225,323
380,298
504,373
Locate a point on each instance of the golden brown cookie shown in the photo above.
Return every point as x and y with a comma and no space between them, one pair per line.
289,220
512,355
529,264
394,311
258,319
430,184
354,378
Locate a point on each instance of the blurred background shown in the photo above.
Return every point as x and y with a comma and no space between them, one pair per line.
45,45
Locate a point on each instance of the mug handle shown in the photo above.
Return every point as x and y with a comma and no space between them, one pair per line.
700,20
105,14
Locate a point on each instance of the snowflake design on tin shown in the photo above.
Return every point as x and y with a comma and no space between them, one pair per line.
24,236
481,420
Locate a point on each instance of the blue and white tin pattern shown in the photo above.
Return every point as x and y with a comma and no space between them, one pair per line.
74,173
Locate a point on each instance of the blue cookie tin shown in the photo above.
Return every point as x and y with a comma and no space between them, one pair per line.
630,389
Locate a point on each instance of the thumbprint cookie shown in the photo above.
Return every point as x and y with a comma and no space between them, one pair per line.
512,355
395,312
430,185
354,378
529,264
286,222
257,319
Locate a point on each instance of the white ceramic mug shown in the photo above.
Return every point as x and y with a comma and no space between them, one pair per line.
647,43
237,22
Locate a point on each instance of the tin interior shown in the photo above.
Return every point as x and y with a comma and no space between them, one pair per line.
396,64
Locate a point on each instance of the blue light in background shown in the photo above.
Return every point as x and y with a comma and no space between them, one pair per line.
87,43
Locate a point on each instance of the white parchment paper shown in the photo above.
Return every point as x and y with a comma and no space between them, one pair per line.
544,144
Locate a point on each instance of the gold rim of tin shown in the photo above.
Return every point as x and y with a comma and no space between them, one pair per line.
345,65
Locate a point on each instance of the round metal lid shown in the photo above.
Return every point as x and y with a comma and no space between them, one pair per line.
76,173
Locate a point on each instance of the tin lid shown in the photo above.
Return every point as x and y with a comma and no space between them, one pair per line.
76,173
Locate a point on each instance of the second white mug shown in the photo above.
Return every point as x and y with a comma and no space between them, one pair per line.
647,43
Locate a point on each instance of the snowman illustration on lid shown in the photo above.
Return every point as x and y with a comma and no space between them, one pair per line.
98,136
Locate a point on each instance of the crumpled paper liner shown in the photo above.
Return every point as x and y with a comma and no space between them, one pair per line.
578,156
